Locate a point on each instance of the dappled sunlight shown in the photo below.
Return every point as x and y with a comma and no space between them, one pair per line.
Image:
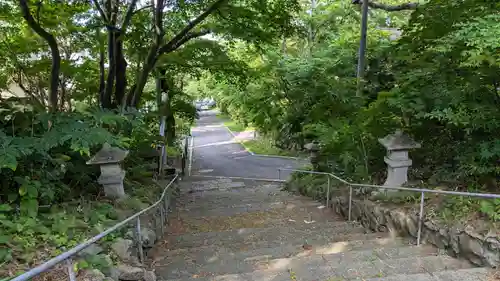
243,230
334,248
280,264
213,259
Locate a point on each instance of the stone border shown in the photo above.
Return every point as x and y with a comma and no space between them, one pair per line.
463,242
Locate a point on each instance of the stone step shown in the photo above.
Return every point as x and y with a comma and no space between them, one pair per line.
228,198
470,274
243,262
269,236
376,268
270,213
201,186
322,245
209,208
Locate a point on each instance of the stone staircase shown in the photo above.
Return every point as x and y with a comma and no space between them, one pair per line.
249,231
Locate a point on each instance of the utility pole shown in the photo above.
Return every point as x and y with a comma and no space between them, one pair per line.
362,48
311,26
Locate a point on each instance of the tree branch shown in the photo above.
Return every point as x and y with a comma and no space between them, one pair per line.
177,38
143,8
128,16
187,37
101,12
389,8
54,49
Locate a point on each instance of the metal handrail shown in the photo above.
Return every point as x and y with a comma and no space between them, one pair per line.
422,192
66,256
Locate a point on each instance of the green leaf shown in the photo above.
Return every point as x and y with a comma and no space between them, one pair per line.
4,239
32,191
29,207
23,190
5,255
5,208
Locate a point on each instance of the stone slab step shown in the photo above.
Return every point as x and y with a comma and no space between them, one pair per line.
471,274
242,262
268,236
260,215
354,242
209,208
202,185
228,198
355,271
328,244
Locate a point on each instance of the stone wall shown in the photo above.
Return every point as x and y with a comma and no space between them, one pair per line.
464,242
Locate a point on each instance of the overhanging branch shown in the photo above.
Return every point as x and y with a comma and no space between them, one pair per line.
101,12
187,37
389,8
128,15
180,36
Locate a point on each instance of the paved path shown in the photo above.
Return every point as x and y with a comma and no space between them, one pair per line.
217,153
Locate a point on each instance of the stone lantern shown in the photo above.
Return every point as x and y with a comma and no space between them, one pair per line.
398,145
112,174
313,149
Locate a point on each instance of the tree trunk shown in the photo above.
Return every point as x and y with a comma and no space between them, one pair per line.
54,51
106,101
102,83
121,74
156,50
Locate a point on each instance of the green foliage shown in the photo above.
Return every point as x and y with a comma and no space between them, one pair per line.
491,208
438,83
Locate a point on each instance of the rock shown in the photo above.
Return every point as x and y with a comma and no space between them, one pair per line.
122,248
492,252
113,274
148,236
458,241
91,275
91,250
471,248
149,276
130,273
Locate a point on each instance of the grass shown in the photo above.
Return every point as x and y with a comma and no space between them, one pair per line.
234,126
266,147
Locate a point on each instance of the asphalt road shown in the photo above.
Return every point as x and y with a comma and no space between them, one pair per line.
215,153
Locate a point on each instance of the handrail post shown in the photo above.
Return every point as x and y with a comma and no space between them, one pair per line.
350,202
328,192
420,218
139,240
279,173
166,203
162,220
71,271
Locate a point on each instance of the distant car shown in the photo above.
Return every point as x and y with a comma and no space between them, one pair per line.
198,105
